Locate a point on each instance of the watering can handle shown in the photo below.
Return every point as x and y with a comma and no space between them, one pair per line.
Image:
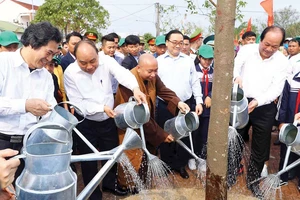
131,99
46,125
235,91
76,108
295,123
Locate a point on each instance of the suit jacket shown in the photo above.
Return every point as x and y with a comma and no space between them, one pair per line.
129,62
66,61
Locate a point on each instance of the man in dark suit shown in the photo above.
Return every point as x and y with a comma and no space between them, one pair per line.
132,43
72,39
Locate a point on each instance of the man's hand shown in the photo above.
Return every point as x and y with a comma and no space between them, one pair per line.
37,107
199,109
8,168
207,102
183,107
110,112
252,105
169,139
297,117
139,96
239,81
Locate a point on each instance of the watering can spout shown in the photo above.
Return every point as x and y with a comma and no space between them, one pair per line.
131,140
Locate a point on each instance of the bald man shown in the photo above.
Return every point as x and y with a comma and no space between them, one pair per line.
88,84
150,84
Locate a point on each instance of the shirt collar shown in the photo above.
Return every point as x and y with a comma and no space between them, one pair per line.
167,54
20,62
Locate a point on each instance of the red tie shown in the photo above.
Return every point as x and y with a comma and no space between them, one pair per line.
297,102
205,79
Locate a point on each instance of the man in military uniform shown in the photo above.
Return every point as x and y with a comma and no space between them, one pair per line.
196,41
90,35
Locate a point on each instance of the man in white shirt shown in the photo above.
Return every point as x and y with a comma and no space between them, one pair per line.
294,56
109,48
261,70
177,72
26,87
88,83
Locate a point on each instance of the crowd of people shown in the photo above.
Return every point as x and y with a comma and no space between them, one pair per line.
174,75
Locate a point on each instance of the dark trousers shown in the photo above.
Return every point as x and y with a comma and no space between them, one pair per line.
171,153
103,135
200,138
261,119
4,144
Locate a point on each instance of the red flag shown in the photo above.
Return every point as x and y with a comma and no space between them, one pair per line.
235,41
268,7
242,33
249,27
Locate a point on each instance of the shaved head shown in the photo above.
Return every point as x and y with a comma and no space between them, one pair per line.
147,67
146,58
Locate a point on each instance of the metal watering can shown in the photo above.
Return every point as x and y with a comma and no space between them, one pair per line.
63,117
47,174
182,124
289,135
131,115
238,108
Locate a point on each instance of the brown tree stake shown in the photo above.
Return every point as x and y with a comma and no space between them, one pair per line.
217,148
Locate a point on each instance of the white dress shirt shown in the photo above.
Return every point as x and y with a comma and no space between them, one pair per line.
16,85
91,92
294,65
179,75
262,79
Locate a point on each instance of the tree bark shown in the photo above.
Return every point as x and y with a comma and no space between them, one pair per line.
217,148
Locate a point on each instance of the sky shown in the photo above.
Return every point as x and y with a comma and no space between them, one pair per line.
138,16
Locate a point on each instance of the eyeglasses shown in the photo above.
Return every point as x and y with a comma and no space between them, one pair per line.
175,43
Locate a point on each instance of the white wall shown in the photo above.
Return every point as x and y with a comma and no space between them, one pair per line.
10,10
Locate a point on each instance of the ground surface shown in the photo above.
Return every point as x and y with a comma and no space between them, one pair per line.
190,189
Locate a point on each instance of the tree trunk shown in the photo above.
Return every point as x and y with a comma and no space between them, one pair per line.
217,148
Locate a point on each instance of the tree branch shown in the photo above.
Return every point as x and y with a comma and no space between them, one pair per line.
213,3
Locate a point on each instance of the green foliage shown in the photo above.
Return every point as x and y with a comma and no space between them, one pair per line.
293,30
211,13
147,36
167,16
73,15
244,26
289,19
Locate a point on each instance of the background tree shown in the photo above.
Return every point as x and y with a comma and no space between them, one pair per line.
289,19
169,20
211,13
147,36
73,15
244,25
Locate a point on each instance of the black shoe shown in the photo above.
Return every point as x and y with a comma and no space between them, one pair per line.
183,173
277,142
256,191
118,191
